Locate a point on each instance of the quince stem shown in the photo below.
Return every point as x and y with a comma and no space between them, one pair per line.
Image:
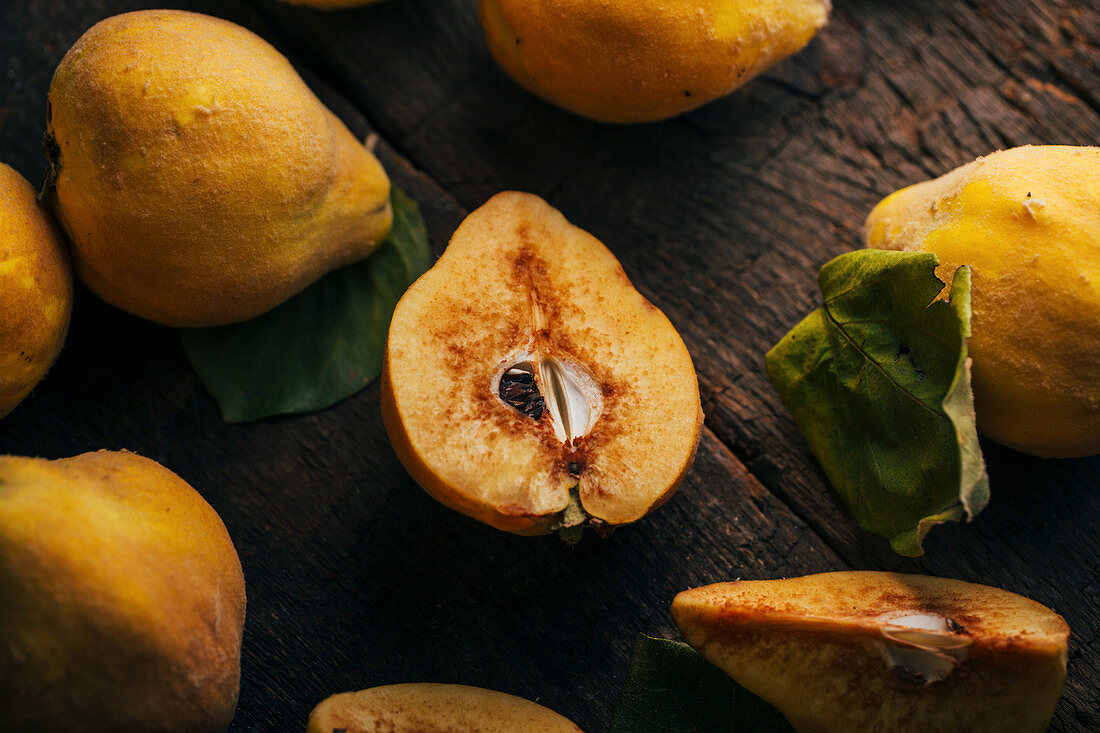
570,524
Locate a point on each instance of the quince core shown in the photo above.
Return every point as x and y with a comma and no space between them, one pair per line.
855,651
528,384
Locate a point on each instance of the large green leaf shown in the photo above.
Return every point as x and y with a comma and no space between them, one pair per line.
878,382
669,688
322,345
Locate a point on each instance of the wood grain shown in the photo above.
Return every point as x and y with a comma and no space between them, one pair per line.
721,217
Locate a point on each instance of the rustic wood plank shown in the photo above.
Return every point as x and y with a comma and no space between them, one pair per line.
723,217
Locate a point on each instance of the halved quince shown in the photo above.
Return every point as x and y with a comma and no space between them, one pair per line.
529,385
862,651
420,708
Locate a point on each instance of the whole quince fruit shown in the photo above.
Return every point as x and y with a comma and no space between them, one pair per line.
527,383
643,60
200,180
869,651
121,599
416,708
36,290
1027,222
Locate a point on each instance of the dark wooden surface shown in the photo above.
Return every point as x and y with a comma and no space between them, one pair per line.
355,577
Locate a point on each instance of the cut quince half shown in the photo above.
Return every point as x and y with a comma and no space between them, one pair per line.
529,385
432,708
863,651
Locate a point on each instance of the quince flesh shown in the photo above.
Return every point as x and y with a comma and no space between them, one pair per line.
431,708
1027,221
36,290
524,368
200,180
121,599
643,60
855,651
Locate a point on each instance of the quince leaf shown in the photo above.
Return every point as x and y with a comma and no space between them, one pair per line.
878,381
669,688
322,345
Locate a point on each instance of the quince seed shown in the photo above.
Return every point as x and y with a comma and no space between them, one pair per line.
568,392
922,648
517,388
570,403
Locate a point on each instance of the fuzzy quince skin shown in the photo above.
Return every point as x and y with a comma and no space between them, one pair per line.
416,708
1027,222
36,290
643,60
524,367
121,599
856,651
200,180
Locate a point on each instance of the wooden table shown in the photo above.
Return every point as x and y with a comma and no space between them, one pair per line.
721,217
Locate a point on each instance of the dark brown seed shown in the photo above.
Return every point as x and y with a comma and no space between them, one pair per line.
907,675
517,389
534,407
513,391
518,375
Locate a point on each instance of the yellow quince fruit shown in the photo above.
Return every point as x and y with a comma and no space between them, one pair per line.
121,599
36,290
643,60
199,178
1027,222
421,707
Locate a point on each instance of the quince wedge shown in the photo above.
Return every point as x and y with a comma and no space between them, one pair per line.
121,600
528,384
1027,222
860,651
435,708
643,60
36,290
200,180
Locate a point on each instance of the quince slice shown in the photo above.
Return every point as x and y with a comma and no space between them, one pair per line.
529,385
431,708
862,651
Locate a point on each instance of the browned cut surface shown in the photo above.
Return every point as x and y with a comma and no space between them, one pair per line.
519,284
434,708
859,601
838,652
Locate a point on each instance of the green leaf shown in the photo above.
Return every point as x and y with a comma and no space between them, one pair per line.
669,688
878,382
322,345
